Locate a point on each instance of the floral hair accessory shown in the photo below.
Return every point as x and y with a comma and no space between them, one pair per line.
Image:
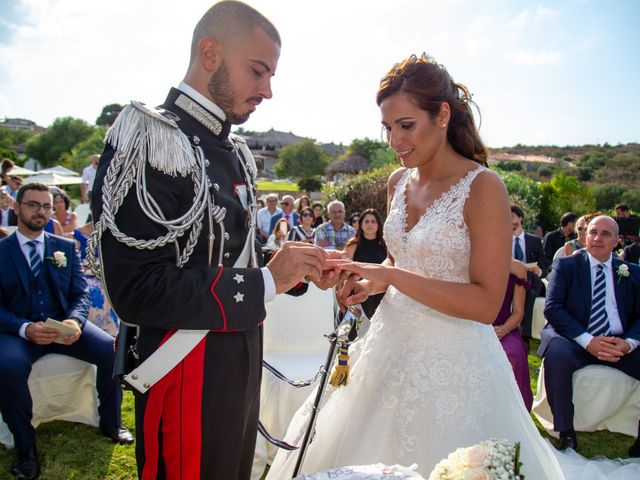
59,259
623,271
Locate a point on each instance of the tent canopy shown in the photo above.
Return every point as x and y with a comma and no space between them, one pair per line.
60,170
53,179
21,171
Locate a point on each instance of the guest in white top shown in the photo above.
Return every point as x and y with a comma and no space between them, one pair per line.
265,214
88,175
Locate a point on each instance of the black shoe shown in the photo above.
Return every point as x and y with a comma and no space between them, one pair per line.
568,440
634,450
119,435
26,465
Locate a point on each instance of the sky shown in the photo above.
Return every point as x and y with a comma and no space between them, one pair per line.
558,73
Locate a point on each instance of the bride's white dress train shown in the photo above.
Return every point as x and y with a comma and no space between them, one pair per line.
422,383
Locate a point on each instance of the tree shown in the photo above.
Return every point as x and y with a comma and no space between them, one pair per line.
309,184
564,194
10,137
383,156
300,160
525,193
109,114
58,139
78,158
607,195
366,147
362,191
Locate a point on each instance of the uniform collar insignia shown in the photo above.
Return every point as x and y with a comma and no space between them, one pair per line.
199,113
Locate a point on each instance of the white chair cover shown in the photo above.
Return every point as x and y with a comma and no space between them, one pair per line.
294,343
82,211
604,399
537,318
62,388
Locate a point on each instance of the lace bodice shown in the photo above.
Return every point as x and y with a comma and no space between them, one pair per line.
438,245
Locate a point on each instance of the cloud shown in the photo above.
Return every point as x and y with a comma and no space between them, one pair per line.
529,58
538,16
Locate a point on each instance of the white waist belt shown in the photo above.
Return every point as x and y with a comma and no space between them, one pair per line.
180,344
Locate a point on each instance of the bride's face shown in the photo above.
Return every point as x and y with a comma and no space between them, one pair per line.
411,131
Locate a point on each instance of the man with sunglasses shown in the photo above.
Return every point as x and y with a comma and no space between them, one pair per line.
41,278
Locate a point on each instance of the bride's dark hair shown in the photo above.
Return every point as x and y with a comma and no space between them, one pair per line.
429,84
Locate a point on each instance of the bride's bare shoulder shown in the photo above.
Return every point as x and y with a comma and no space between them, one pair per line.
394,178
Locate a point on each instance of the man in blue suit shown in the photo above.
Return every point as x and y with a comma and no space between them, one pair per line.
593,310
287,212
41,278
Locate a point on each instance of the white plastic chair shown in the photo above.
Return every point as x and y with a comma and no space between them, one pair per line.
294,344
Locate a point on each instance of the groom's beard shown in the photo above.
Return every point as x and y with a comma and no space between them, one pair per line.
224,96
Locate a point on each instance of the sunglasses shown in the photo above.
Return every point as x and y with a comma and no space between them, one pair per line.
582,229
307,215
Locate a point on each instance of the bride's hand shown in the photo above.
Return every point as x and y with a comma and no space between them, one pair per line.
353,292
371,271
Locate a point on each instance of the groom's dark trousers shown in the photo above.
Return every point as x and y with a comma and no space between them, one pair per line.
59,293
568,310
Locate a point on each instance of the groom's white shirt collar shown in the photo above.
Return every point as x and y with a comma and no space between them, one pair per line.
202,100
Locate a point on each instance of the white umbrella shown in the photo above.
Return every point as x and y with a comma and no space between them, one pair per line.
53,179
21,171
59,170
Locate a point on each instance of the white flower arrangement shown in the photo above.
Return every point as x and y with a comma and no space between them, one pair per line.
59,259
489,460
623,271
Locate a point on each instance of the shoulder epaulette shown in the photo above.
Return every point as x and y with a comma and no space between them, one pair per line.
146,134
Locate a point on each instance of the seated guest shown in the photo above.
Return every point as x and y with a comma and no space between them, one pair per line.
287,213
305,231
335,232
368,246
303,202
557,238
528,249
631,253
593,310
354,220
506,327
62,213
576,244
279,235
265,215
41,278
318,218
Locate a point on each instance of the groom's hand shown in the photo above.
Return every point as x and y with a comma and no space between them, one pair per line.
332,277
295,261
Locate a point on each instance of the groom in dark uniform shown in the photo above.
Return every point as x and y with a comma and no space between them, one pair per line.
199,420
593,310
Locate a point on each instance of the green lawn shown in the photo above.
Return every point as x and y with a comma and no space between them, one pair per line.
274,186
72,451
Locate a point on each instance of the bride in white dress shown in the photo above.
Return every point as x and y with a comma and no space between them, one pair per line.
430,375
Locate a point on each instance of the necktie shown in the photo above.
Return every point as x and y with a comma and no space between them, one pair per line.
34,258
287,218
599,322
518,254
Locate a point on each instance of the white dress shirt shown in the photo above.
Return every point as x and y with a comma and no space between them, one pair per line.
513,247
269,284
611,306
26,251
264,219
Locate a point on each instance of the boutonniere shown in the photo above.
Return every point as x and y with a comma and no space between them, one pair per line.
623,271
59,259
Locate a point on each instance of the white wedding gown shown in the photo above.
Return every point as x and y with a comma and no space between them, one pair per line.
422,383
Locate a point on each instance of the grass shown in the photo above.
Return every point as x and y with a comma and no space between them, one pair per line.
73,451
271,186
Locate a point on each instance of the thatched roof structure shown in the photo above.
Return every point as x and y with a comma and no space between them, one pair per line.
272,140
352,164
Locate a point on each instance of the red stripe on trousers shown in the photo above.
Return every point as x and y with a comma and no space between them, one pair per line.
175,402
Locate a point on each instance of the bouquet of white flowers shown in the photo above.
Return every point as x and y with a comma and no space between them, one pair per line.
489,460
